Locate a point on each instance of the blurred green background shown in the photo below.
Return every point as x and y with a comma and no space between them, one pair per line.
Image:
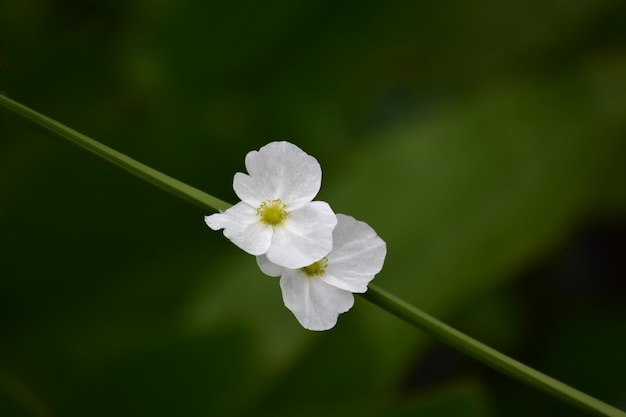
484,141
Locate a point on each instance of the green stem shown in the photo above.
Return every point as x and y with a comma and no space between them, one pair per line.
59,131
485,354
381,298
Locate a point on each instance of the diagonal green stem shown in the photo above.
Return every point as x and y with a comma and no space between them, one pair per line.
486,354
59,131
381,298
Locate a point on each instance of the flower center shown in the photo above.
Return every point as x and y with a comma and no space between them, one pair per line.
316,268
272,212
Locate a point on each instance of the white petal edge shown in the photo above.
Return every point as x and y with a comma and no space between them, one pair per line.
305,237
268,267
315,304
253,192
279,170
242,226
358,255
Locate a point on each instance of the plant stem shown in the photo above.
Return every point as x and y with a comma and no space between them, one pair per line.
486,354
381,298
164,182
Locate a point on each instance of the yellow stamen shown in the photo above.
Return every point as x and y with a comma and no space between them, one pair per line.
316,268
272,212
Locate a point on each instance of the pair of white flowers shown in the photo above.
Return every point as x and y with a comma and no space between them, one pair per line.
321,257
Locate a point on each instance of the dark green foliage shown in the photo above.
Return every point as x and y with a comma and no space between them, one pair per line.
482,141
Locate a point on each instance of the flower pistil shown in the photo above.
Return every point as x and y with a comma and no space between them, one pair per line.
316,268
272,212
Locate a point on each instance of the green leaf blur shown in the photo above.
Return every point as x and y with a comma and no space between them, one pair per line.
484,142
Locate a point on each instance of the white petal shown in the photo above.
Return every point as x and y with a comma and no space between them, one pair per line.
242,226
252,192
358,255
268,267
305,237
279,170
315,304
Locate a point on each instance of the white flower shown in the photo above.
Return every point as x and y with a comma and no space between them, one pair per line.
276,215
319,292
